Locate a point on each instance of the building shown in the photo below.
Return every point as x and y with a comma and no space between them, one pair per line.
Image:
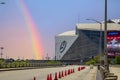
85,42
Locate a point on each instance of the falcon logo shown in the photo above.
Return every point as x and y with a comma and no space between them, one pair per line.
63,46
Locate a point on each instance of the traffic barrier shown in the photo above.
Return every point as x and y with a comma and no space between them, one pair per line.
34,78
56,76
59,75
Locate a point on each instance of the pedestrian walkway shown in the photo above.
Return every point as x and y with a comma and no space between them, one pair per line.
98,75
116,71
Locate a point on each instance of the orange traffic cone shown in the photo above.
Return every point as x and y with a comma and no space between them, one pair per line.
82,68
78,68
65,73
60,75
56,76
68,71
34,78
48,77
73,70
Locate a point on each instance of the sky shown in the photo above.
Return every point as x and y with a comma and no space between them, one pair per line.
51,17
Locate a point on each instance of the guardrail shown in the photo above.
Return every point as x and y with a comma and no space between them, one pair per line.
31,67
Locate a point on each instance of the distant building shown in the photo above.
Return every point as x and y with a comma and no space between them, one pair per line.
84,42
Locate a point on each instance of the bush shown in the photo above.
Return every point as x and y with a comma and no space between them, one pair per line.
52,62
94,60
117,60
91,62
2,63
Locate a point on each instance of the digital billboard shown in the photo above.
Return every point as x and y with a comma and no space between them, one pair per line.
113,43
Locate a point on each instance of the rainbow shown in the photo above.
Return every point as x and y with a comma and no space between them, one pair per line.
36,42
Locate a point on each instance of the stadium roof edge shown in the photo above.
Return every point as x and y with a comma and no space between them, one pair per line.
96,26
67,33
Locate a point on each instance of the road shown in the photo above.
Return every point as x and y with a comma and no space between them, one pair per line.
41,74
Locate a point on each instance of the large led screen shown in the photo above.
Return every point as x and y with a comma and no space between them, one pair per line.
113,43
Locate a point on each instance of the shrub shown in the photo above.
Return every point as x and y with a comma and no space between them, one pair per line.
117,60
90,62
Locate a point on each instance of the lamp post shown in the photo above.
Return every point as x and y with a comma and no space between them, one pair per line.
100,41
1,51
2,47
2,2
105,38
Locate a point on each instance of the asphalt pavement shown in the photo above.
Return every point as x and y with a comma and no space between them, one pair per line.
41,74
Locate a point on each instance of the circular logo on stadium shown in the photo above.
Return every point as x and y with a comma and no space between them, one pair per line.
63,46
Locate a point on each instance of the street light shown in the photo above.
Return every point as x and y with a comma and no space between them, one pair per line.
100,41
105,38
2,47
2,2
1,51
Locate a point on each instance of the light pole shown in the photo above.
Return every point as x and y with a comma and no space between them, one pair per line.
100,41
2,2
1,47
1,51
105,38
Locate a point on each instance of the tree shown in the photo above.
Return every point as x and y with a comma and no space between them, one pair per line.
2,63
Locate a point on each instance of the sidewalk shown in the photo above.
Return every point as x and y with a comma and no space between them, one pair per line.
116,71
98,75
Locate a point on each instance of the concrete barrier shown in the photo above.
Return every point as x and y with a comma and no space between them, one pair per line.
106,75
111,78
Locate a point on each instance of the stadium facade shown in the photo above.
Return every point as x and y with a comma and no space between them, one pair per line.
84,42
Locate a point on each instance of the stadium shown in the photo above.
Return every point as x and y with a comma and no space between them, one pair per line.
87,40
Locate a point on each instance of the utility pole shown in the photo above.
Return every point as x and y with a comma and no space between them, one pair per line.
47,57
